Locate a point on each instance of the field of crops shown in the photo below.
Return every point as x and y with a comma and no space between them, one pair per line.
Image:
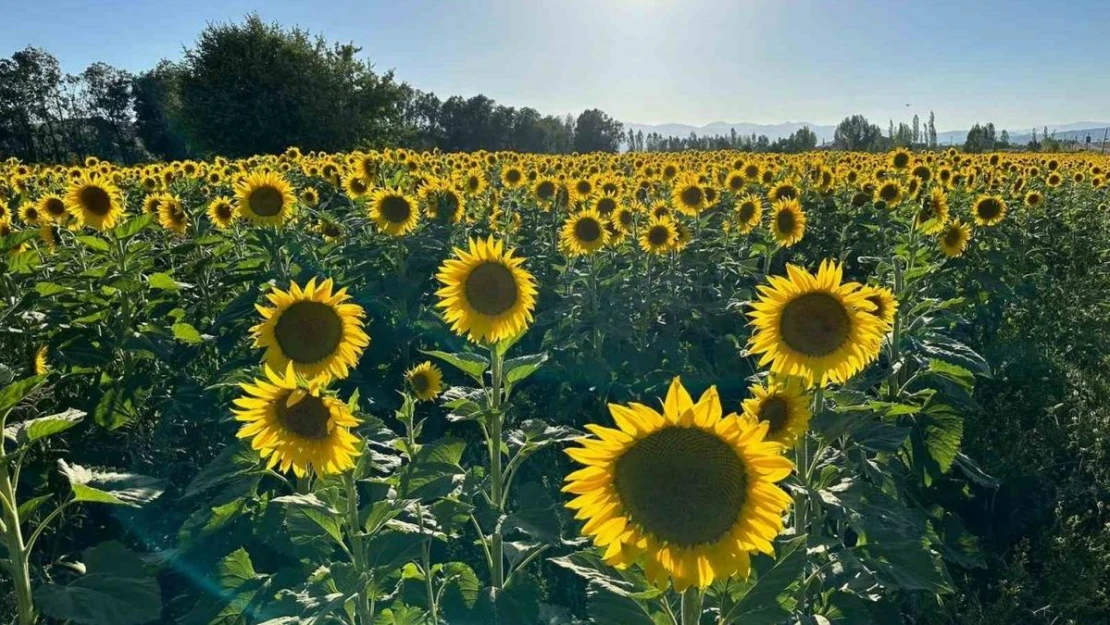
637,389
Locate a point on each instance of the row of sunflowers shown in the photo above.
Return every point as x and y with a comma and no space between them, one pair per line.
306,364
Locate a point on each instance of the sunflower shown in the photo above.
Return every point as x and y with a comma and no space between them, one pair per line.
52,207
295,425
545,189
443,202
688,195
890,192
316,330
788,222
94,201
814,326
660,236
989,210
394,211
933,212
512,177
221,212
1033,199
172,215
329,229
473,182
784,191
29,214
150,204
687,494
487,294
310,196
623,219
605,204
41,363
355,186
882,298
953,240
265,197
584,233
426,381
899,159
749,212
783,405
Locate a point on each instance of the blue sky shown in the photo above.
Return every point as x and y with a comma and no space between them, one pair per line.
1017,63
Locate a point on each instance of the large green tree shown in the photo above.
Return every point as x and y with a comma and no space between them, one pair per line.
597,132
258,88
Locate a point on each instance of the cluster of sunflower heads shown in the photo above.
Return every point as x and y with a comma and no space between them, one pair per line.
311,336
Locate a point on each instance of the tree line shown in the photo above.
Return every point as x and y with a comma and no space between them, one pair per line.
255,87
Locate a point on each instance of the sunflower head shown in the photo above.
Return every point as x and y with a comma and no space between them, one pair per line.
295,425
425,380
222,212
954,238
265,197
94,201
687,494
317,331
172,215
688,195
660,236
989,210
394,211
932,213
749,212
584,233
884,302
487,294
788,222
53,208
783,405
815,327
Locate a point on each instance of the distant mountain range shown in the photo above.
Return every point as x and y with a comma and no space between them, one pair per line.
1074,131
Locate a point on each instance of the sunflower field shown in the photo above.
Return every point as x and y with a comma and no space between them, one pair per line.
389,387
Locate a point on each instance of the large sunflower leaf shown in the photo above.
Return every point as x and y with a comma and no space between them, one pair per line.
115,590
35,429
120,489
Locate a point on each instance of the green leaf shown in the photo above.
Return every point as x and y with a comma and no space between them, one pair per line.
115,590
32,430
589,566
19,390
94,242
233,462
115,409
943,431
766,601
46,289
605,608
121,489
434,470
517,369
28,507
536,514
187,333
400,614
470,364
161,281
132,226
309,506
236,569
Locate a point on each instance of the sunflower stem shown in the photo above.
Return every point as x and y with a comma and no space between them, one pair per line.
18,553
497,557
691,606
364,604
